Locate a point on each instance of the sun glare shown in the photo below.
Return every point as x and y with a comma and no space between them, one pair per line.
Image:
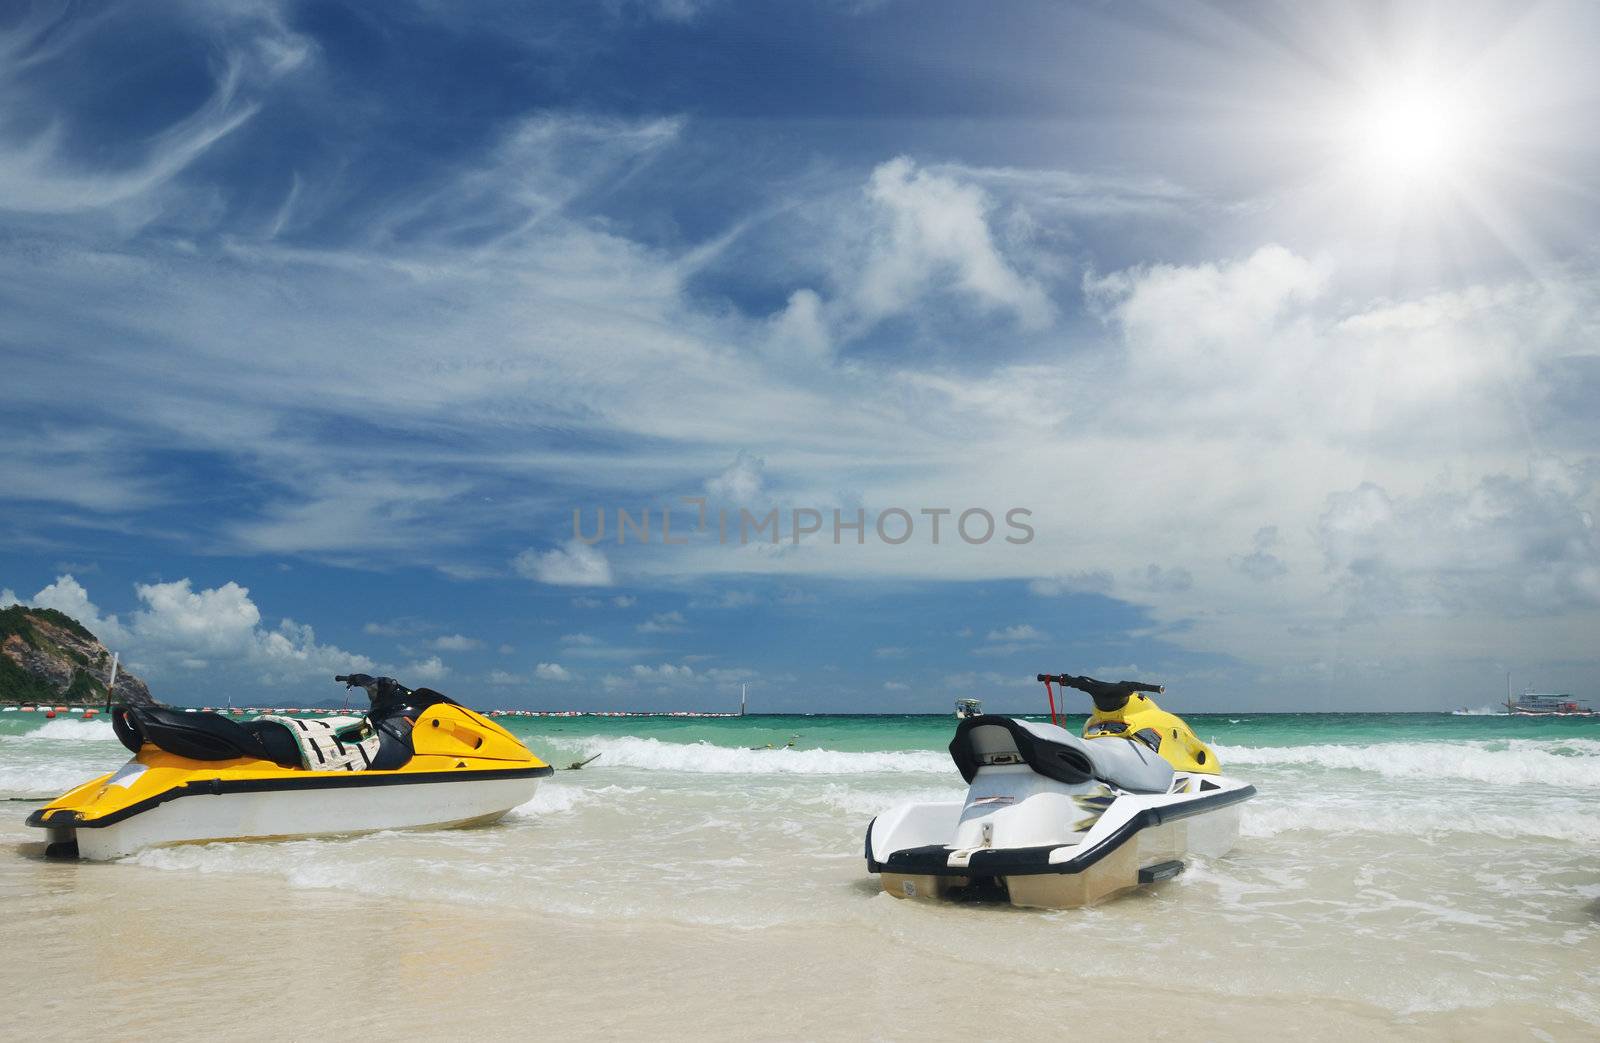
1411,134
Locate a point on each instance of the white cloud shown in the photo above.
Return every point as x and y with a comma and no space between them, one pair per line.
1261,564
67,595
220,620
1163,580
799,333
1524,546
1082,582
1019,632
397,628
579,639
552,672
219,627
35,177
895,686
662,677
255,48
1207,323
429,669
1010,640
456,643
502,677
935,230
619,601
663,623
665,673
8,597
575,564
292,653
740,484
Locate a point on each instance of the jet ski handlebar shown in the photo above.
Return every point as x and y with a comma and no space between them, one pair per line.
375,686
1107,695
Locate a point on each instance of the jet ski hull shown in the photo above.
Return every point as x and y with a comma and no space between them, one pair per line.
1052,820
463,770
1149,845
314,804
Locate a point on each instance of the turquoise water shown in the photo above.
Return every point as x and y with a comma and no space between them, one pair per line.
932,731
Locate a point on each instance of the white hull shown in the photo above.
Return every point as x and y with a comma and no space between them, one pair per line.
1042,843
1153,853
280,814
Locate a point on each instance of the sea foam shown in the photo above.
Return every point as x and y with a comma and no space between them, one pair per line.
1570,763
1410,819
704,758
73,728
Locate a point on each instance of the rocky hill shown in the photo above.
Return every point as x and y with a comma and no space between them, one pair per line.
48,657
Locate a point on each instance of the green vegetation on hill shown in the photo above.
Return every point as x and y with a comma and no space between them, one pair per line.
15,620
19,686
85,688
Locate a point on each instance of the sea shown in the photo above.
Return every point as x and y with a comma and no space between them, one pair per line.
1404,875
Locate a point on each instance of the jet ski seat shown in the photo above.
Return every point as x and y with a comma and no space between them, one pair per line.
204,736
1056,753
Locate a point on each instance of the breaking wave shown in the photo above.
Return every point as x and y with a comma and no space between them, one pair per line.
550,799
704,758
1569,825
1572,763
72,728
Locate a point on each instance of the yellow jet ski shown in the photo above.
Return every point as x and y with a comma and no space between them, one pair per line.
1055,820
417,760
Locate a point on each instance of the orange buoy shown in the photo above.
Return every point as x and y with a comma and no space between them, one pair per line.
90,712
49,713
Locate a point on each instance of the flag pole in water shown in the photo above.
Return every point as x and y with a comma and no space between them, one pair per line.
111,686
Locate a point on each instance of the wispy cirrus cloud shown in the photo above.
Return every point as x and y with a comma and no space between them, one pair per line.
390,347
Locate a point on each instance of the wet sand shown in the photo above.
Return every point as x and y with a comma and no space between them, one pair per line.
122,950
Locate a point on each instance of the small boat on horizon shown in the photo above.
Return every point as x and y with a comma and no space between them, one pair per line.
1548,704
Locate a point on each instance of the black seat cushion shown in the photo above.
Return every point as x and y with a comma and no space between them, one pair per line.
203,736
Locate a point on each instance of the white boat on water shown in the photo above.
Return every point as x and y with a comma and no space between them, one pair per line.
1055,820
1548,704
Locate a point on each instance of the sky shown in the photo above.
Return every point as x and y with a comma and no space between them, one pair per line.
1265,335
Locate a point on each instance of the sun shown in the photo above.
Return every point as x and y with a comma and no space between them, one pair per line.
1412,134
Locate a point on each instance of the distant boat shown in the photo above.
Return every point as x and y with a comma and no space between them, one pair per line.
1548,704
968,708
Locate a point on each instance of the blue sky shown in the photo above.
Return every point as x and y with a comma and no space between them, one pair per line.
320,320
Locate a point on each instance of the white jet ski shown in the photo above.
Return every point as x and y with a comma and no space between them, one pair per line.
1052,820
